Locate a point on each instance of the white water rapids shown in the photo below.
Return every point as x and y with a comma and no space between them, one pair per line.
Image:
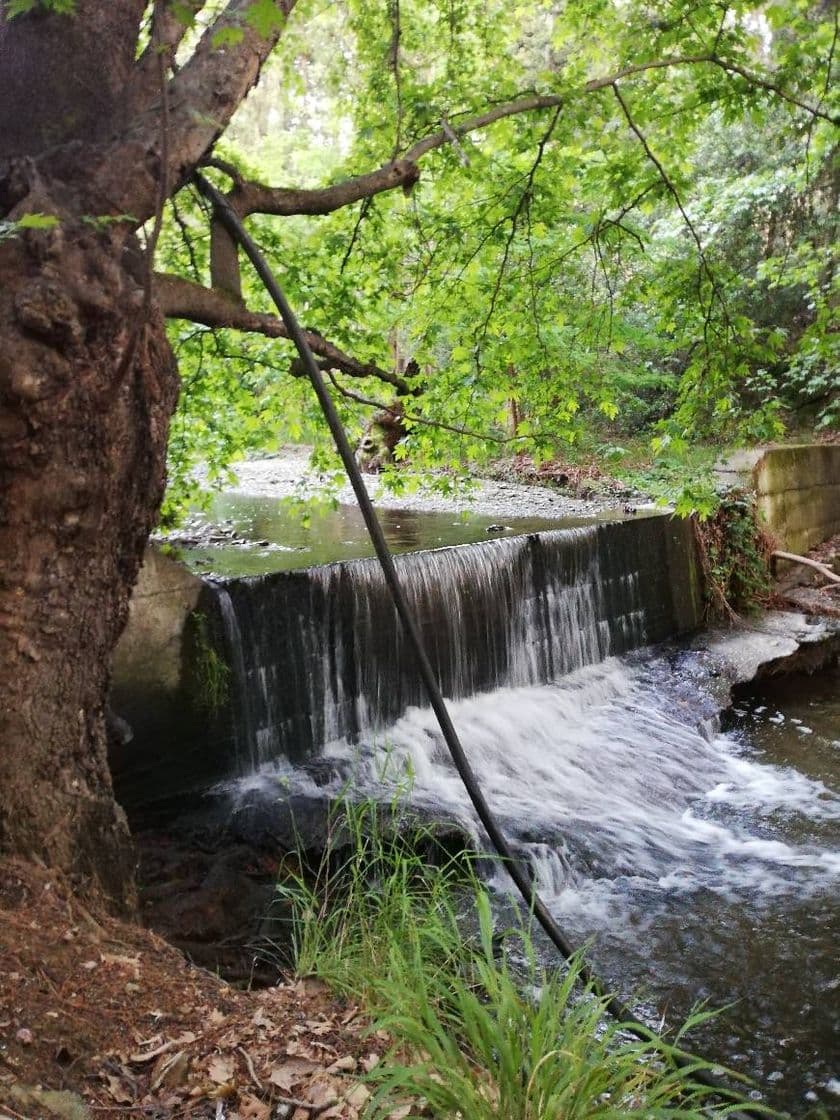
699,868
601,782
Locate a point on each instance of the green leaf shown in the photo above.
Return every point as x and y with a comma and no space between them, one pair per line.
227,37
37,221
20,7
265,17
183,12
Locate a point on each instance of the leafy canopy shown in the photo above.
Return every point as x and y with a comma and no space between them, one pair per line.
654,255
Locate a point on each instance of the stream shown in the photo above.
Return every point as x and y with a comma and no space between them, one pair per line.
702,867
700,863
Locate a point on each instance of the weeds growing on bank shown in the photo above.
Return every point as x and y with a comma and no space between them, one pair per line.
475,1036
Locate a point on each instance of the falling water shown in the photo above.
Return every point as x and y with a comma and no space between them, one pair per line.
319,655
700,869
244,732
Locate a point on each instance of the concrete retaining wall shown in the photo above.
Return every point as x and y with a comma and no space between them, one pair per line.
179,736
798,493
175,679
797,490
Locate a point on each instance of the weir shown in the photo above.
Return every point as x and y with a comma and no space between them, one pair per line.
319,655
697,860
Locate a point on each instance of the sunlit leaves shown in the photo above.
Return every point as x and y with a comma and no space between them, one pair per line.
228,36
265,16
549,291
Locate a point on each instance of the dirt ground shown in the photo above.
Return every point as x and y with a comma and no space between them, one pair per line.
100,1018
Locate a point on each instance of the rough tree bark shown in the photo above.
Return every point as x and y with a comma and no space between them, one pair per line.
83,439
87,386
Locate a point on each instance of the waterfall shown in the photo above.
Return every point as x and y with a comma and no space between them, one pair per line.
319,655
244,732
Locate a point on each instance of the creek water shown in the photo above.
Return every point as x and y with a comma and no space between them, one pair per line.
701,864
279,535
702,867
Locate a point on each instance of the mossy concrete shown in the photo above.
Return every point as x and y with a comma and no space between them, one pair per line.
797,490
150,652
183,743
169,743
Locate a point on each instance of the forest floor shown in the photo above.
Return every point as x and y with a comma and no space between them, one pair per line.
100,1018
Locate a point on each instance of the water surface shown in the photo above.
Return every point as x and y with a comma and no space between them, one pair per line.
704,868
275,534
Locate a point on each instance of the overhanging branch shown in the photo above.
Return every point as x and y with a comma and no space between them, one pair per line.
211,85
247,197
183,299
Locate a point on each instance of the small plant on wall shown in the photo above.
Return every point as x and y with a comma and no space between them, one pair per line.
735,556
209,675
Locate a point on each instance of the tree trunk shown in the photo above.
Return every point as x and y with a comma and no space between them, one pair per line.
87,386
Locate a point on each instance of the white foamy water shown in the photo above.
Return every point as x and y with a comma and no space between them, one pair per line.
698,866
604,785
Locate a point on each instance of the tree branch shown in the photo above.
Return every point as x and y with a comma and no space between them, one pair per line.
712,59
716,293
166,35
182,299
248,197
208,89
413,418
251,198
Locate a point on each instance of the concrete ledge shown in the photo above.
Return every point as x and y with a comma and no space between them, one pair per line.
150,650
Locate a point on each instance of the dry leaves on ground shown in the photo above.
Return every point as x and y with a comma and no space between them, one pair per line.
104,1019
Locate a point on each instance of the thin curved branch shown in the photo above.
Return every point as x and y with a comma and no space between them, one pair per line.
247,197
183,299
712,59
523,205
705,266
413,418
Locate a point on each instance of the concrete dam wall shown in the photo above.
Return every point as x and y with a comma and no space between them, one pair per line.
214,679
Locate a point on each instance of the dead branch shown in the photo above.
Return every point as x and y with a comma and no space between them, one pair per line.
794,558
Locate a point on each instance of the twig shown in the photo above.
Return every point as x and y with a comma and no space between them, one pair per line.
312,1109
394,62
363,213
414,419
823,569
523,205
671,188
249,1063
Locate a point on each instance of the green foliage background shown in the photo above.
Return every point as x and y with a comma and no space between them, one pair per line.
657,264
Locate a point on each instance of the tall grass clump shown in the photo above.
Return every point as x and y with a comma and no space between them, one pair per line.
480,1030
